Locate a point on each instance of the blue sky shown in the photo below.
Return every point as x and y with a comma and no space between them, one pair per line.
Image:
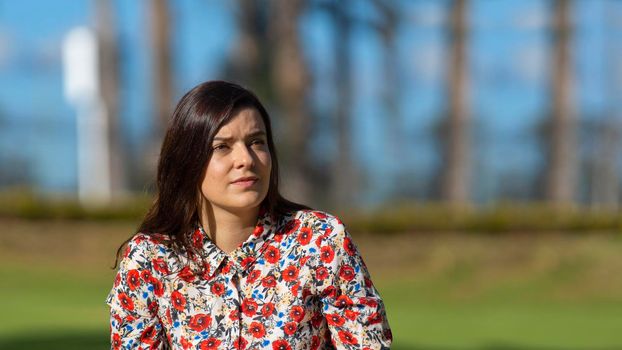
509,66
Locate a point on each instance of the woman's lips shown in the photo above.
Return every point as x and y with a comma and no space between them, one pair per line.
245,183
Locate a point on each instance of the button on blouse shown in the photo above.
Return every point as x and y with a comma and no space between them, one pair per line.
297,282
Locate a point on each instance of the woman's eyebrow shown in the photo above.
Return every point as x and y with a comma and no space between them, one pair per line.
252,134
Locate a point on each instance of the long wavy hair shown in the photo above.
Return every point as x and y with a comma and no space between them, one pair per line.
186,151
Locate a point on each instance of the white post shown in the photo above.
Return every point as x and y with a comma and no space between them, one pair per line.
81,89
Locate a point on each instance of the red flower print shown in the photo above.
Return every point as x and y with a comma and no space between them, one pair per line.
178,300
346,272
321,273
153,307
257,330
169,319
158,287
227,267
268,281
343,301
281,345
185,343
320,214
233,315
374,318
290,274
315,342
240,343
160,265
133,279
116,341
218,288
145,275
369,302
290,328
247,261
335,320
128,249
276,307
327,232
272,254
148,336
349,246
206,270
249,307
347,338
351,315
186,274
258,231
197,239
295,288
267,309
304,236
253,276
327,254
278,237
297,313
199,322
209,344
126,302
291,226
329,292
306,293
316,320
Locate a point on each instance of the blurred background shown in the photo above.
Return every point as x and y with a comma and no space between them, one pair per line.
471,147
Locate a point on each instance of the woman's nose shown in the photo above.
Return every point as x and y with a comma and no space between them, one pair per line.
243,157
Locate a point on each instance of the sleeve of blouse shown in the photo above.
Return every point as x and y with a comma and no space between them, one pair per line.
353,309
134,322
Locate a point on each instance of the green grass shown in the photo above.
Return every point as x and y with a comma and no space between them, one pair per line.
420,321
62,310
445,292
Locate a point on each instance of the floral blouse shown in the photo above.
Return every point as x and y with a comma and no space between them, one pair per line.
295,283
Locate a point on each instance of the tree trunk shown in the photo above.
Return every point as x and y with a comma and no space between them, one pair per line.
457,177
163,83
562,167
248,64
291,83
342,168
109,80
605,183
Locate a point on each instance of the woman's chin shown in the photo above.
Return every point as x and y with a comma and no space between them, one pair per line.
245,202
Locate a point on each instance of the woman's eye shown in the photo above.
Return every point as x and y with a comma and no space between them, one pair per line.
219,147
257,142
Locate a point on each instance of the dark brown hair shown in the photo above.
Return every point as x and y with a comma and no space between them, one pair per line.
185,152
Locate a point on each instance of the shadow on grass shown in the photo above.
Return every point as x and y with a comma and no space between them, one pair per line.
493,347
78,340
99,341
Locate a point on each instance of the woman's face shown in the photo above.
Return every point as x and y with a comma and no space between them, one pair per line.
238,174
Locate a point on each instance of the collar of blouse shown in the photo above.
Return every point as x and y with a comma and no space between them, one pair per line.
245,255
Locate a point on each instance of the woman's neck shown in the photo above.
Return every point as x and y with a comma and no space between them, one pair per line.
228,229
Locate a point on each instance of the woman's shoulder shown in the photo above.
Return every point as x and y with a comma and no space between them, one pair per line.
314,216
146,249
320,222
148,241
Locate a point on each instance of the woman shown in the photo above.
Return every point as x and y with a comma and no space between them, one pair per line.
223,261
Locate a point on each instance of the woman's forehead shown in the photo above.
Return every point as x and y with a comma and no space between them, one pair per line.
246,121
